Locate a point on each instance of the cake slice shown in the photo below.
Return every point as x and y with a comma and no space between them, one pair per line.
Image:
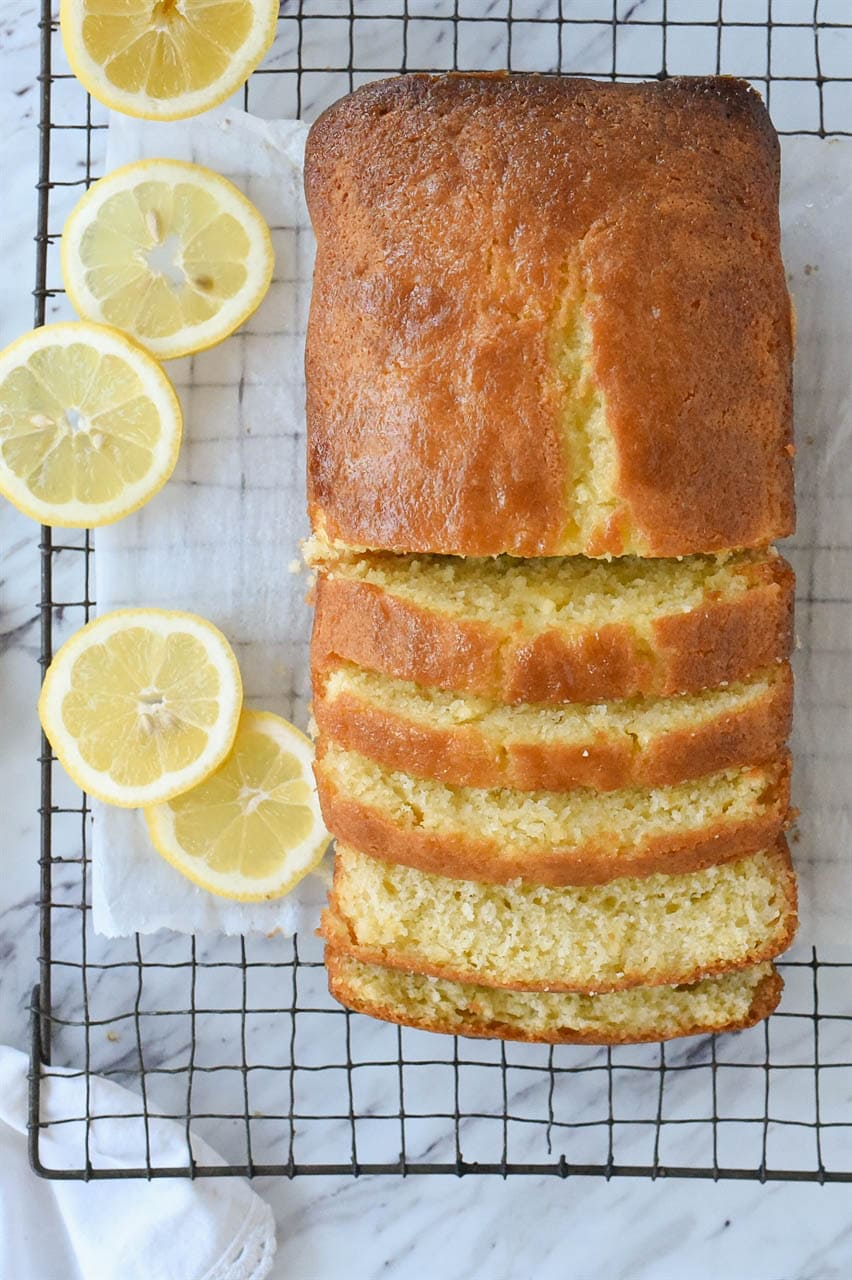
580,836
471,741
726,1003
659,930
549,317
553,630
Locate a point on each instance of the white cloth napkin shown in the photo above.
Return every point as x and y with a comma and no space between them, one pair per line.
222,536
816,215
219,537
168,1229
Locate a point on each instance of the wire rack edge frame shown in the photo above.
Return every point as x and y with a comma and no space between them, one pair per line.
41,1005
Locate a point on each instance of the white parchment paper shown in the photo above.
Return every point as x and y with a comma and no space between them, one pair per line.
816,218
220,537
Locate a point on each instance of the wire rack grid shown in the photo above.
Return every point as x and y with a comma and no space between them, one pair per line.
238,1038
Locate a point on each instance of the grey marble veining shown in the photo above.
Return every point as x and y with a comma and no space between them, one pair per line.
330,1228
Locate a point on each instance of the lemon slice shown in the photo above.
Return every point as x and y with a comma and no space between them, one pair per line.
90,425
169,252
165,59
142,704
253,828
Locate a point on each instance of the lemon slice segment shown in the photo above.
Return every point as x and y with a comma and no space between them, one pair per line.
170,252
90,425
142,704
253,829
165,59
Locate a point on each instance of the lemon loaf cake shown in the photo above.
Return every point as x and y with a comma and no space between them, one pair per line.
726,1003
554,630
663,929
549,317
476,742
579,836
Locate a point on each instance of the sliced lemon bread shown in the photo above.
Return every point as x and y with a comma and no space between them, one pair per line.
561,837
726,1003
554,630
659,930
475,742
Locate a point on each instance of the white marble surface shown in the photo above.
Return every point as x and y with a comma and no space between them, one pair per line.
421,1227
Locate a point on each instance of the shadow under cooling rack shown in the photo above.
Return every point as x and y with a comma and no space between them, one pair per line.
238,1038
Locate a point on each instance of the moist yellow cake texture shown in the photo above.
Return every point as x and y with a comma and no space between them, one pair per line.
579,836
658,930
563,590
553,630
725,1003
473,741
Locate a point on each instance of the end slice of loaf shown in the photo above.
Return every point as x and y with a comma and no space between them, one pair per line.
549,316
727,1003
567,837
471,741
553,630
658,930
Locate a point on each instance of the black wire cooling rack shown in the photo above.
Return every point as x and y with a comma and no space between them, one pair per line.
238,1038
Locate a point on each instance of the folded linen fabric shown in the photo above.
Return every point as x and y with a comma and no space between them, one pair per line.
166,1229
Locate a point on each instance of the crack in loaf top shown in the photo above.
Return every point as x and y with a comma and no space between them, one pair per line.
549,317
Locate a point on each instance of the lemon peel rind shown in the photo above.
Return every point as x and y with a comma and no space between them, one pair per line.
219,889
209,333
57,683
141,106
78,514
160,823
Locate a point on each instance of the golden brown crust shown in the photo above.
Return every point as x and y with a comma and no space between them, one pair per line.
463,756
340,933
766,998
457,217
471,858
722,640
